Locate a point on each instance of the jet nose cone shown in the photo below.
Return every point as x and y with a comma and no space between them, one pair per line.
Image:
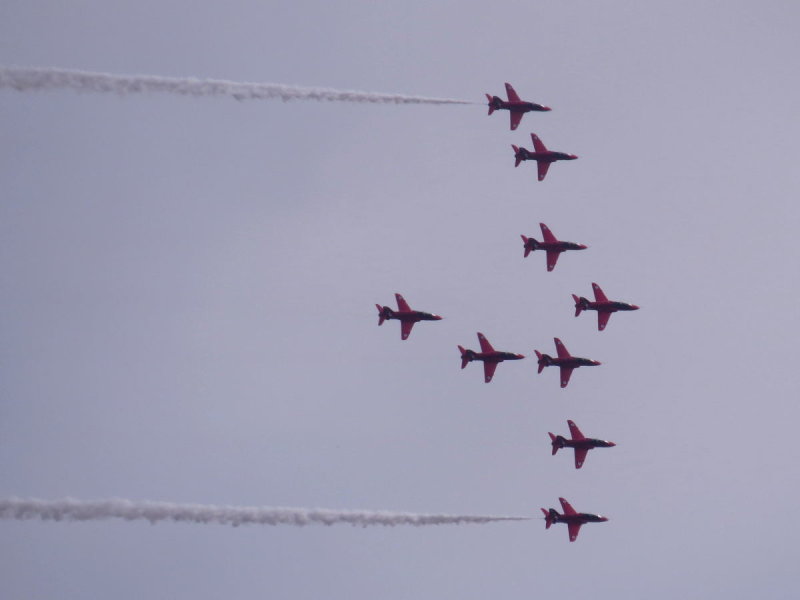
611,444
573,156
546,108
520,356
596,363
604,518
583,246
437,318
634,307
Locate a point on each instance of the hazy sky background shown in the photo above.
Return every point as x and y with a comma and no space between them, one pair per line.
188,288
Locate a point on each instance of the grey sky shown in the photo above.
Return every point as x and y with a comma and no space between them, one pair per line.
187,292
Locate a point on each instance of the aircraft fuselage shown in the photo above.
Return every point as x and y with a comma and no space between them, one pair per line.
413,315
498,103
525,154
558,246
584,444
573,519
572,362
610,306
551,156
491,356
578,518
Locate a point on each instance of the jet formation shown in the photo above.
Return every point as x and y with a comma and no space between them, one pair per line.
553,248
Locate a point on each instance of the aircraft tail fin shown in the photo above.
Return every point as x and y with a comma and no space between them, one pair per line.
553,440
530,244
542,362
548,520
516,155
525,242
465,358
384,312
491,103
578,304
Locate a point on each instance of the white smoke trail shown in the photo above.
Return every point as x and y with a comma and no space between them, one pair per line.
24,79
70,509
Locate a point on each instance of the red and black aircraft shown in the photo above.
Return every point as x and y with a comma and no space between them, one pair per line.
565,361
514,106
579,442
405,315
488,355
541,155
602,305
550,244
571,517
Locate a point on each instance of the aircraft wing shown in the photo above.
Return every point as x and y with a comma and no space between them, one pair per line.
574,529
542,166
485,345
402,305
602,319
566,372
405,329
599,296
552,259
512,95
488,370
561,349
567,507
547,235
516,117
580,456
575,432
538,144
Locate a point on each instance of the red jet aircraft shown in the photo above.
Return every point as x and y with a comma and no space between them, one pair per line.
580,442
514,106
565,361
571,517
551,245
405,315
488,355
602,305
542,155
